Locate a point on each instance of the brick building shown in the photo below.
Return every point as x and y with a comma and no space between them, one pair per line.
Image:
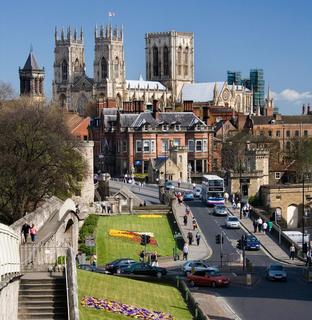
126,140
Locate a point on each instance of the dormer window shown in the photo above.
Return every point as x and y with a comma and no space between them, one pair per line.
146,127
165,127
198,127
177,127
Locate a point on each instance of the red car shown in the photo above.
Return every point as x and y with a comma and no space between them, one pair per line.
208,278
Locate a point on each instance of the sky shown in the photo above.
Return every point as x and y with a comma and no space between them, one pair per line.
239,35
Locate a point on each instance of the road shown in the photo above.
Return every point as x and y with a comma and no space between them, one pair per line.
264,300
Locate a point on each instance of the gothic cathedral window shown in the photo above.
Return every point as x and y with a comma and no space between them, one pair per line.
64,71
104,69
186,55
179,60
166,61
116,68
76,66
155,62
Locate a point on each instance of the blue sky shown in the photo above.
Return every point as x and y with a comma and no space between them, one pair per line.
275,35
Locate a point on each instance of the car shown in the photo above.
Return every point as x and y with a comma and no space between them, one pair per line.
169,185
197,192
220,210
145,269
208,278
188,196
232,222
90,267
251,242
276,272
117,265
196,265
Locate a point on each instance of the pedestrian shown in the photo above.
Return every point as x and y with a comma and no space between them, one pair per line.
270,225
103,205
179,183
197,237
185,251
25,231
194,223
185,220
180,199
292,250
309,257
264,227
154,259
109,208
234,204
226,197
187,210
33,232
260,222
255,225
238,206
93,260
141,256
77,209
190,237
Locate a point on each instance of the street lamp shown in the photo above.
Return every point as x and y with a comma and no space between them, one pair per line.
101,158
189,170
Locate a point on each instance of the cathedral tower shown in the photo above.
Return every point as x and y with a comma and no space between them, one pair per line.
69,65
170,59
109,63
32,78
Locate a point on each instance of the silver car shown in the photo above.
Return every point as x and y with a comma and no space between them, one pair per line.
196,265
276,272
232,222
220,210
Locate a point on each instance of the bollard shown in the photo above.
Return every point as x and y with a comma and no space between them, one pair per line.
186,295
248,279
196,310
178,281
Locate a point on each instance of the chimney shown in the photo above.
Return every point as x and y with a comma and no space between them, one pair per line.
141,106
206,115
303,109
99,106
155,112
127,106
308,111
188,105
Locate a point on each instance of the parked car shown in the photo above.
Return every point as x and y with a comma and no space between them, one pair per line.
118,265
188,196
197,192
276,272
232,222
196,265
90,267
208,278
169,185
251,242
220,210
145,269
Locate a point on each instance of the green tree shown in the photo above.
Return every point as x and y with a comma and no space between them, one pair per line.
38,158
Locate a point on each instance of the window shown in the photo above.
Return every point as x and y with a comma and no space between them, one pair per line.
205,148
104,69
165,127
153,146
199,145
116,68
166,61
124,146
146,146
177,127
180,159
165,145
305,133
270,133
288,145
287,133
176,142
179,60
278,133
278,175
64,71
138,146
76,66
191,147
155,62
297,133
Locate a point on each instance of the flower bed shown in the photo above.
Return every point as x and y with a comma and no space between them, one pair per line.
132,235
151,216
124,309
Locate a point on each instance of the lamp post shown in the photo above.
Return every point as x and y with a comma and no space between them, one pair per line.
240,188
166,160
101,158
303,213
189,170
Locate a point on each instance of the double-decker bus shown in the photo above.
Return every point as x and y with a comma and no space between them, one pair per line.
212,189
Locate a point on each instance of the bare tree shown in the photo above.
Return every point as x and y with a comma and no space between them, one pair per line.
6,91
38,158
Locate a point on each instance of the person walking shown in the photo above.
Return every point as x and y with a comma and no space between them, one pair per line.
185,251
194,223
187,210
141,256
309,258
190,237
197,238
25,232
93,260
255,225
292,250
33,233
270,225
226,197
154,259
264,227
185,220
260,222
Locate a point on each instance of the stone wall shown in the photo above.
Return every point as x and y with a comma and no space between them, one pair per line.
8,301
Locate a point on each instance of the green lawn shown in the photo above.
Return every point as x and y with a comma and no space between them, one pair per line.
152,296
110,248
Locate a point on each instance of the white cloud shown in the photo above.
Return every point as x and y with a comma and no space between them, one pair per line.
293,96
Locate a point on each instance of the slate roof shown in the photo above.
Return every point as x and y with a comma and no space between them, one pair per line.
31,63
200,92
289,119
143,84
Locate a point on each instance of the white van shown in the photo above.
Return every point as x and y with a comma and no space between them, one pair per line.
296,236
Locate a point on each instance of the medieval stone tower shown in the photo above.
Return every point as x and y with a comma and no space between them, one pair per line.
170,59
69,65
109,63
32,79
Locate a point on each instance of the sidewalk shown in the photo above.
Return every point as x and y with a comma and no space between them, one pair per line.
267,243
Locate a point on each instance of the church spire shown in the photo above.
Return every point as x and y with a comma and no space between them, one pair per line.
215,92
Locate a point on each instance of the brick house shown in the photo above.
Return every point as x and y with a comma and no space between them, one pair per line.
126,140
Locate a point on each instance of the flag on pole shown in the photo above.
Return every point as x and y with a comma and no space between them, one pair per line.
111,14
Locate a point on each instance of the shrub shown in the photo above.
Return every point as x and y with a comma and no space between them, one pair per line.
61,260
88,229
254,201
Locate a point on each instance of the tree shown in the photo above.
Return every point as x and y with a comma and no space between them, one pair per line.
38,158
6,92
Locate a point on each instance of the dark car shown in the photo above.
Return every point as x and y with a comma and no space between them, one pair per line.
145,269
276,272
169,185
118,265
188,196
208,278
90,267
251,242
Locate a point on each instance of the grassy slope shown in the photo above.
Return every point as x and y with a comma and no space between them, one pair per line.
109,248
152,296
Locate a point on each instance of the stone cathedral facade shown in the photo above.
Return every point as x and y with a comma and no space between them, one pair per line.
169,64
